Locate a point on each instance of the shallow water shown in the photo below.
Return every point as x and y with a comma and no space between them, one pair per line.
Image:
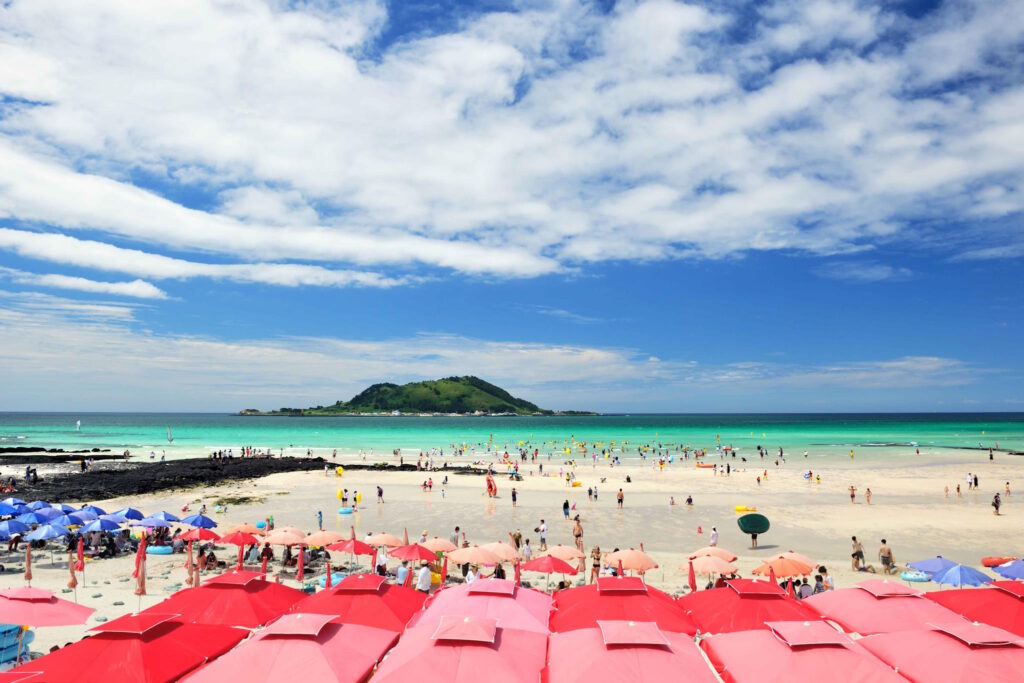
870,436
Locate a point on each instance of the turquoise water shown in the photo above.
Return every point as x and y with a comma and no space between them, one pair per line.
817,433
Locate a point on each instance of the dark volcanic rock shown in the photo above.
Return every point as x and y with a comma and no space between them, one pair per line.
137,478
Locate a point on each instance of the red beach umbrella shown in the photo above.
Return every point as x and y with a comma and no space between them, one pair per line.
692,578
239,538
234,598
511,606
140,566
624,652
1000,605
548,564
308,643
80,563
365,599
464,650
142,648
878,606
38,607
413,552
353,546
784,566
956,652
618,598
741,605
199,534
794,651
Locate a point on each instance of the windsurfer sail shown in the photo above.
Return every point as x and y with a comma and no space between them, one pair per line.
170,438
78,425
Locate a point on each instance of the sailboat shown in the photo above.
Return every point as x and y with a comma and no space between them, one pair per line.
78,425
170,438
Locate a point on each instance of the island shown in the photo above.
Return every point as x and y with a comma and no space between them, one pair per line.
449,396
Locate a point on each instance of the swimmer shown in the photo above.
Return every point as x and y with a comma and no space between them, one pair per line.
671,501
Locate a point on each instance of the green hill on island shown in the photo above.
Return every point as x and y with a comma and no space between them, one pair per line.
463,395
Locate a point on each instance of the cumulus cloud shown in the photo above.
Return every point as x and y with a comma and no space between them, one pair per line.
514,144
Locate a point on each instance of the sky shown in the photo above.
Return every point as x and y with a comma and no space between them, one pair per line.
617,206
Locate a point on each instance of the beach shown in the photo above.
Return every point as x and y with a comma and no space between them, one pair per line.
908,508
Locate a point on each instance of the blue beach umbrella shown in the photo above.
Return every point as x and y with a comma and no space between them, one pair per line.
101,524
152,523
63,507
961,575
49,513
68,520
38,505
166,516
46,532
12,501
932,565
1011,570
33,518
85,515
95,510
201,521
11,527
6,510
128,513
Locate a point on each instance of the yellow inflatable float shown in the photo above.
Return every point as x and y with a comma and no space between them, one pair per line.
745,508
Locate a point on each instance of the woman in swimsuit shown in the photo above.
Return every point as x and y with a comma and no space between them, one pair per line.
595,563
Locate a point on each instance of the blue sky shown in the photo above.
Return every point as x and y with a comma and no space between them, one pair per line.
619,206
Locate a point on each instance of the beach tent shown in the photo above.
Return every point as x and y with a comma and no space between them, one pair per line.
955,652
306,646
741,605
618,598
464,650
366,599
142,648
794,651
877,606
624,652
236,598
1000,605
509,605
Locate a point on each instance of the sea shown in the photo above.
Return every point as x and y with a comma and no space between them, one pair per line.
823,435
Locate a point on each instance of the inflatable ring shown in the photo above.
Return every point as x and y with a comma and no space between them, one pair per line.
261,524
159,550
995,561
344,511
745,508
915,576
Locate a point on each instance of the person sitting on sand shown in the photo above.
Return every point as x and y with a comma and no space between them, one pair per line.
201,561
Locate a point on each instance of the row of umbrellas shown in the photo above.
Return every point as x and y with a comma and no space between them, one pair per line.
42,521
617,629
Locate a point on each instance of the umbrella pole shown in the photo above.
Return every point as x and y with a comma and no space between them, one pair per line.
21,631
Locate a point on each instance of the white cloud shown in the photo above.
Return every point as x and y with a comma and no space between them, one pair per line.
863,271
101,359
518,144
138,289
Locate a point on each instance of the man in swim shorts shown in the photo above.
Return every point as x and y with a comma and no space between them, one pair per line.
886,558
857,557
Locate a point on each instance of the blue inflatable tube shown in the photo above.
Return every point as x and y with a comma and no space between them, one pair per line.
159,550
344,511
915,576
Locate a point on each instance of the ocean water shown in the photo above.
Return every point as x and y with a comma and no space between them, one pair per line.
818,434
